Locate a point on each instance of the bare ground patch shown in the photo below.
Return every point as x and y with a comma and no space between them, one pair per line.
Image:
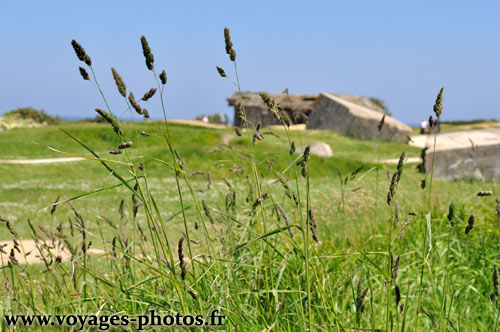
29,251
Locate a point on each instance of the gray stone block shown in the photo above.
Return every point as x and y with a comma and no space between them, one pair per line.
467,154
345,117
320,149
298,107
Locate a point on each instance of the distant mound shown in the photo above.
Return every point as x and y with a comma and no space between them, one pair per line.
26,117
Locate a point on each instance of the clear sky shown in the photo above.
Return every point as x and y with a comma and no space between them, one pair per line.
399,51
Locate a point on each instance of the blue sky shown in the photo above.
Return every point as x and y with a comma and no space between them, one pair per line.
399,51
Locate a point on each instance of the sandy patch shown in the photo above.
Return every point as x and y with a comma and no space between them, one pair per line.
409,160
41,161
31,255
298,127
199,123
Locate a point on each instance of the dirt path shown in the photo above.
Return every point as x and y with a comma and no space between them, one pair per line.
33,255
410,160
41,161
199,123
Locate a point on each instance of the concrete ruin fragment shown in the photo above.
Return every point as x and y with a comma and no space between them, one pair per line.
349,118
298,107
473,154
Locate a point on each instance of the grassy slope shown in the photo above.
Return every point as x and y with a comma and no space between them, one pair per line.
26,189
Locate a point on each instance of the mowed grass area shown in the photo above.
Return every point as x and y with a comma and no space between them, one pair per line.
249,265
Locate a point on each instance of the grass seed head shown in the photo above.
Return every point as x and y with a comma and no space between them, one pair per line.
241,115
163,77
395,269
470,223
285,217
288,191
146,50
84,73
179,160
275,108
113,243
232,55
307,151
229,45
122,88
10,228
400,166
257,136
267,100
54,206
381,123
260,199
12,258
149,94
125,145
80,53
209,180
207,211
304,160
285,119
392,188
135,105
283,182
356,171
451,214
397,294
181,259
313,225
406,223
111,120
292,148
438,105
221,71
431,121
8,286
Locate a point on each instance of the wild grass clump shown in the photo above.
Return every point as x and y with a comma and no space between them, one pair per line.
264,242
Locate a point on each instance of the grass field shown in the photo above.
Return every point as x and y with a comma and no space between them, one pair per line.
352,226
273,239
27,189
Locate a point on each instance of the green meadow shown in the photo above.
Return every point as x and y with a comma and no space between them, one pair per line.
258,281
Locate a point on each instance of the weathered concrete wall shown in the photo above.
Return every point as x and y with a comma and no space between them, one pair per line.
479,163
256,115
337,114
298,107
467,154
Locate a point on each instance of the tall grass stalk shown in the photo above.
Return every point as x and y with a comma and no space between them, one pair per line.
437,110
